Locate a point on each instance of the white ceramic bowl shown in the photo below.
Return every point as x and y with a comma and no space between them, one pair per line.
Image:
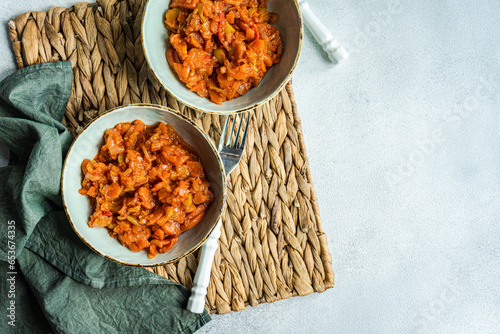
86,146
155,43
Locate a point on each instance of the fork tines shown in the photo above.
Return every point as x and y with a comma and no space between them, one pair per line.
232,141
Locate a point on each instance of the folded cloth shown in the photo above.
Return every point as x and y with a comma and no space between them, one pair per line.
51,281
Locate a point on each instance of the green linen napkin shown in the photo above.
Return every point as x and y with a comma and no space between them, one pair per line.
56,283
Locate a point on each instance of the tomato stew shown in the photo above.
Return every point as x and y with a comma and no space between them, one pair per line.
221,49
146,186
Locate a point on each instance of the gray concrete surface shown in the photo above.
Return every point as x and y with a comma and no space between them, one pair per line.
404,145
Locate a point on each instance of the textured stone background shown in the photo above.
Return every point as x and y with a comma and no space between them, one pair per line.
404,145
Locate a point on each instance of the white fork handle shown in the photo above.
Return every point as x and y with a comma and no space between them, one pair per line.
196,302
335,52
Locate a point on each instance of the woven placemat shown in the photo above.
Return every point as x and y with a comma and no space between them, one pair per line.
272,244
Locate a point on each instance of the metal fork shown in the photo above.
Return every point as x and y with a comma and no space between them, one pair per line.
230,152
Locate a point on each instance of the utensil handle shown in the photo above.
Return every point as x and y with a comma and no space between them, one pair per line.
335,52
196,302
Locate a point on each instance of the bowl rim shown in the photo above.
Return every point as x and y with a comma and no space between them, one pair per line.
214,149
229,112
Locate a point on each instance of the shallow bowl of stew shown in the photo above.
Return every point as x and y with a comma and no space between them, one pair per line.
155,42
87,145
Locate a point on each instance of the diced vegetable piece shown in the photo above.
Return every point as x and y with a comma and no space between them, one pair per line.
273,18
172,14
219,54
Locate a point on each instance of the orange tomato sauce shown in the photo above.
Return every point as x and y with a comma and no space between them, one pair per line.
221,49
146,186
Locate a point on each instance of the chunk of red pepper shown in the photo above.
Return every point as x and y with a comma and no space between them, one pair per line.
249,20
222,20
256,31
